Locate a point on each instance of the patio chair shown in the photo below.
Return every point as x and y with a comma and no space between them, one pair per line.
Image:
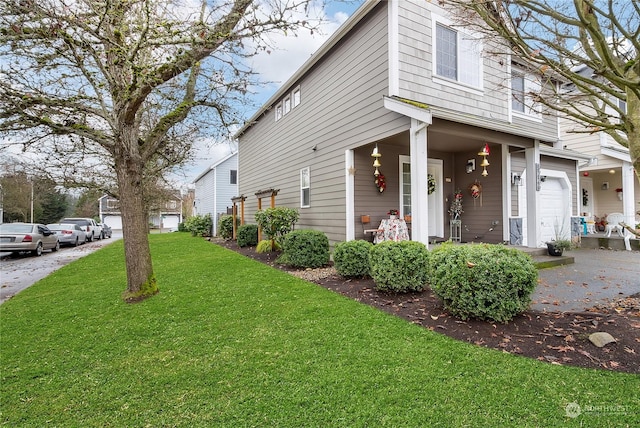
613,223
366,222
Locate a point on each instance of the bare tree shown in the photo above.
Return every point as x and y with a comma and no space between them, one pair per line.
116,90
591,46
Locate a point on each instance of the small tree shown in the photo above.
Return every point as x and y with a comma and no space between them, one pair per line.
277,222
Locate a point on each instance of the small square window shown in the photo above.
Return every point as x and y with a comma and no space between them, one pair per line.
233,176
279,112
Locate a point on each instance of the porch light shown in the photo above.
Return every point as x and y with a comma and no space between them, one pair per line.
376,160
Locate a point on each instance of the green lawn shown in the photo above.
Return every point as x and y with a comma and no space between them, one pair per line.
231,342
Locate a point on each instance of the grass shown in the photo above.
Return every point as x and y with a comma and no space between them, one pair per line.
229,342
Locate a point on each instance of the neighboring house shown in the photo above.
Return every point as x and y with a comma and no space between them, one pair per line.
400,79
215,187
608,183
164,215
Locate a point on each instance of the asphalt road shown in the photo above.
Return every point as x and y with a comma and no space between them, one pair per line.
19,272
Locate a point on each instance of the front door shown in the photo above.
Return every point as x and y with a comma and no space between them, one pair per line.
435,198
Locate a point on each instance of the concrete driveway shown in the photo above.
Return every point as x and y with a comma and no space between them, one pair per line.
597,277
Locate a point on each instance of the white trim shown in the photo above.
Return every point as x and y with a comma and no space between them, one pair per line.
462,38
506,190
394,44
349,203
405,109
302,188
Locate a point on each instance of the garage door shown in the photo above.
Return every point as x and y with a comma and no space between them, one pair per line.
170,221
114,221
555,212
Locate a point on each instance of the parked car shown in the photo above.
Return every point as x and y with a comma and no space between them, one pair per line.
93,229
106,230
33,237
69,234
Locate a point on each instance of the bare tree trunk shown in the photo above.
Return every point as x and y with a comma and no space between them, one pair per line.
141,281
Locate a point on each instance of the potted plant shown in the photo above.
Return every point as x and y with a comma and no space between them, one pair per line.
557,246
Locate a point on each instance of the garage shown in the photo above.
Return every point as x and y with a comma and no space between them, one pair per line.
115,221
555,209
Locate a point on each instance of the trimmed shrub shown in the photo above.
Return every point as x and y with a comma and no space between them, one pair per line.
305,248
248,235
277,222
265,246
484,281
351,258
399,266
199,225
225,226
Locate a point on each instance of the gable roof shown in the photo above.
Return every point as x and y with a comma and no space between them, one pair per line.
213,166
344,29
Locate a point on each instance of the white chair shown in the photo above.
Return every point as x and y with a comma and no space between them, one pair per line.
613,223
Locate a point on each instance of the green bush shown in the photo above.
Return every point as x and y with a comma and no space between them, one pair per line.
248,235
225,226
199,225
305,248
277,222
265,246
351,258
399,266
484,281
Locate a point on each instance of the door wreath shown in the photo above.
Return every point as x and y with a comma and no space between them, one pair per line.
431,184
475,189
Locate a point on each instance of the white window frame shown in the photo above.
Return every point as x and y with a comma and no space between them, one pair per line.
469,61
286,103
532,110
296,97
305,187
278,111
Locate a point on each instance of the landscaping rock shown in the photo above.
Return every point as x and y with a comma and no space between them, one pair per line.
601,339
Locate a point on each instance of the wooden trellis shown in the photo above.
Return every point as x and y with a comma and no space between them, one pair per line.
263,194
237,199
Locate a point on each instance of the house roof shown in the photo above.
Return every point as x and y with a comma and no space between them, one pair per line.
213,166
344,29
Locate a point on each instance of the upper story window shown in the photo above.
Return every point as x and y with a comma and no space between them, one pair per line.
233,176
296,97
524,87
113,204
290,102
305,188
171,205
457,56
517,91
622,105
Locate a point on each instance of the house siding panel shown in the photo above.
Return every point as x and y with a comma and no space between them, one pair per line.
339,104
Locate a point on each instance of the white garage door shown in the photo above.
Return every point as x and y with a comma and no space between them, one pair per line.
170,221
114,221
555,211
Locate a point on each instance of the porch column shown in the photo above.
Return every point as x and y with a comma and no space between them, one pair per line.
349,178
628,192
419,182
532,159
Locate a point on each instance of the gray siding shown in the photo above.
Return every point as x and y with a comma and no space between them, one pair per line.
518,165
341,108
416,77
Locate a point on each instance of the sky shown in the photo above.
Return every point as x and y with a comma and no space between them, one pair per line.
290,53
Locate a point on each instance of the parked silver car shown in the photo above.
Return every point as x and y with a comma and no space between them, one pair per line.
93,229
106,230
68,233
33,237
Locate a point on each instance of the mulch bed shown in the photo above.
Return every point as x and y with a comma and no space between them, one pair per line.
553,337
